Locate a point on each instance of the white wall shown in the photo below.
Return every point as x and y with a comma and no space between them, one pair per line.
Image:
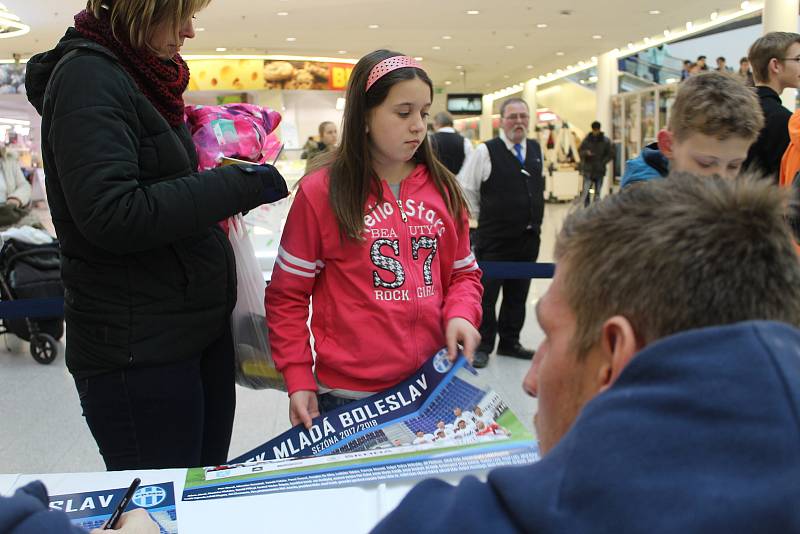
573,103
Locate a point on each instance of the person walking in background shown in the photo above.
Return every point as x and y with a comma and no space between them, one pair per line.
450,147
149,276
745,73
655,57
504,185
15,193
775,59
722,65
595,152
701,63
328,137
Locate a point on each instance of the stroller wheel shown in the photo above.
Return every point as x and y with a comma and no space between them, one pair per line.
44,348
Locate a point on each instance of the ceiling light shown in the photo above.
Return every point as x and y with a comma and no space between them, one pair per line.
282,13
437,47
506,76
559,71
646,40
714,15
459,67
745,4
199,29
447,82
597,37
373,26
630,45
559,53
10,24
689,25
541,25
654,12
342,51
581,63
667,33
509,47
222,49
569,67
529,67
594,59
462,73
291,39
473,12
419,58
446,37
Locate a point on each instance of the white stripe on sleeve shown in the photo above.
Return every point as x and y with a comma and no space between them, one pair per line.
460,264
279,262
295,260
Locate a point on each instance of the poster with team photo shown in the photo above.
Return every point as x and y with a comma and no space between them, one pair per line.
443,419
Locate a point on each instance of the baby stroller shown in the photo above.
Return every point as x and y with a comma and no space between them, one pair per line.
30,271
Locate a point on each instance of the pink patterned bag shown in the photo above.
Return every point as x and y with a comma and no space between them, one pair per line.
241,131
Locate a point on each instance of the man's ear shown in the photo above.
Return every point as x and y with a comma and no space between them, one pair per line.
665,141
618,345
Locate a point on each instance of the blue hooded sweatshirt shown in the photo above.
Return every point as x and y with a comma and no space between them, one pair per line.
27,512
700,433
648,165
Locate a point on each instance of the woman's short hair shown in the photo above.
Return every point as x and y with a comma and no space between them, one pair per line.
134,21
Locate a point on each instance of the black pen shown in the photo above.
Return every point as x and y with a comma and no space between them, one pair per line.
120,509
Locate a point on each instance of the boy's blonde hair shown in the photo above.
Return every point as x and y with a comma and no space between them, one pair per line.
718,105
764,49
134,21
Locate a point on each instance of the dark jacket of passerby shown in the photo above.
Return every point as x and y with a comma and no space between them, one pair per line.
765,154
595,152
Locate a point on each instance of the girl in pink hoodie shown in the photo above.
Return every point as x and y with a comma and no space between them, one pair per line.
377,240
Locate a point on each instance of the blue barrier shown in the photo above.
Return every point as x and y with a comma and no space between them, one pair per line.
32,308
516,269
54,307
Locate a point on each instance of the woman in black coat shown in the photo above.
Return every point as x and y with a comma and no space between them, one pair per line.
149,276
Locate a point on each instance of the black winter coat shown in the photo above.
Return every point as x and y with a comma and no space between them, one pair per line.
149,276
595,152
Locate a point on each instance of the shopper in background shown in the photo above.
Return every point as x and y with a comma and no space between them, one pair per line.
450,147
745,73
504,185
713,122
642,415
328,137
15,192
701,63
655,57
377,240
595,152
687,65
27,512
722,65
149,276
775,59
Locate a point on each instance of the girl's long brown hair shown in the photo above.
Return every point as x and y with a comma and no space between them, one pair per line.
352,177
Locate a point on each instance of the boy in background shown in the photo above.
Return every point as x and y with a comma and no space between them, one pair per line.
714,121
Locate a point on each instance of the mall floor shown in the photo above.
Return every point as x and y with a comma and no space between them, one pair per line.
42,430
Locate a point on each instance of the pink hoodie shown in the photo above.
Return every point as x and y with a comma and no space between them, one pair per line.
381,304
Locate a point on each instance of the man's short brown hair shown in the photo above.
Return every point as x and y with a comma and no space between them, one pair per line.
765,48
679,254
134,21
716,104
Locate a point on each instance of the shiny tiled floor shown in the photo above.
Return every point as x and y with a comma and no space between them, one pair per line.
42,430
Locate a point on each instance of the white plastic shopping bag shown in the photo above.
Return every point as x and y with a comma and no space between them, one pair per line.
255,368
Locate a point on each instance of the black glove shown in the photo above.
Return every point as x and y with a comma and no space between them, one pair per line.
273,185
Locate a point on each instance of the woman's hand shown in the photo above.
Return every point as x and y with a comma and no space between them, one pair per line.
136,521
303,407
460,331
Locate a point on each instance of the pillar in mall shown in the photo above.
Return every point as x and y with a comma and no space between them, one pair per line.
529,96
781,16
607,86
485,130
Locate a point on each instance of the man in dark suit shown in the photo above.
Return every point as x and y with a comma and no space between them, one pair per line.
451,148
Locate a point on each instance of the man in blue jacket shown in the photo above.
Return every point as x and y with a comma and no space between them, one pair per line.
668,382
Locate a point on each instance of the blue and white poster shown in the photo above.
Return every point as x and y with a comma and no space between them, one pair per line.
443,419
90,510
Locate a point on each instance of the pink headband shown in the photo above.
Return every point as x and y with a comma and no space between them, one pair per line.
388,65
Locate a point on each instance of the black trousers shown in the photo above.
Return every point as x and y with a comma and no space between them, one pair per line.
508,324
175,415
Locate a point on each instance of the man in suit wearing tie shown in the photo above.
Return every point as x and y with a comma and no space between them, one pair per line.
504,186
